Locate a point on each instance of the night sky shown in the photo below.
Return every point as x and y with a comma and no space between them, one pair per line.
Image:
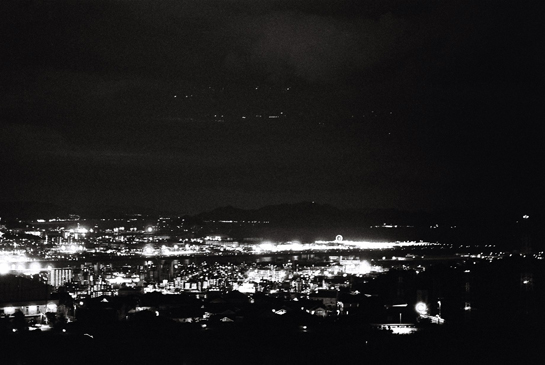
187,105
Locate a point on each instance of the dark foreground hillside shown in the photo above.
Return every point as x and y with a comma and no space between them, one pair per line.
161,342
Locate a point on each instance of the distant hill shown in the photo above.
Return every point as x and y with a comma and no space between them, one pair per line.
305,214
301,215
308,214
307,221
312,214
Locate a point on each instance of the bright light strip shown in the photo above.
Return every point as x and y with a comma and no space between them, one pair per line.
120,280
369,245
13,256
333,245
403,330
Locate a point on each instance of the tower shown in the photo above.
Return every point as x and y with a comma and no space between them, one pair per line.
526,272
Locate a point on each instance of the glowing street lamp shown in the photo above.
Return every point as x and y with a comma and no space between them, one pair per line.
421,308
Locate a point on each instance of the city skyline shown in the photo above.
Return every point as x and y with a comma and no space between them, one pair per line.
123,285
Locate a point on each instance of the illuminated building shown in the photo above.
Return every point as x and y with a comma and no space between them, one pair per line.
58,277
31,297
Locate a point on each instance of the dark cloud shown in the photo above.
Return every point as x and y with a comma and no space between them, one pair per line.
392,103
312,47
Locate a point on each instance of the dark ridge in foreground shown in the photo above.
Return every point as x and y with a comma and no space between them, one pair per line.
162,342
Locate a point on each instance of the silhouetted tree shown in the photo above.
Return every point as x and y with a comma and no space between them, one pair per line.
19,322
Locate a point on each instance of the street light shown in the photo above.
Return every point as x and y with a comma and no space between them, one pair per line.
421,308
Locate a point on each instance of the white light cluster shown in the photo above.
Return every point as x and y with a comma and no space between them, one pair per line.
16,261
338,244
370,245
71,249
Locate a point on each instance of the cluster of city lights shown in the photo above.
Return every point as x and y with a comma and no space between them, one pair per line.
175,250
71,249
290,246
121,279
18,263
338,244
